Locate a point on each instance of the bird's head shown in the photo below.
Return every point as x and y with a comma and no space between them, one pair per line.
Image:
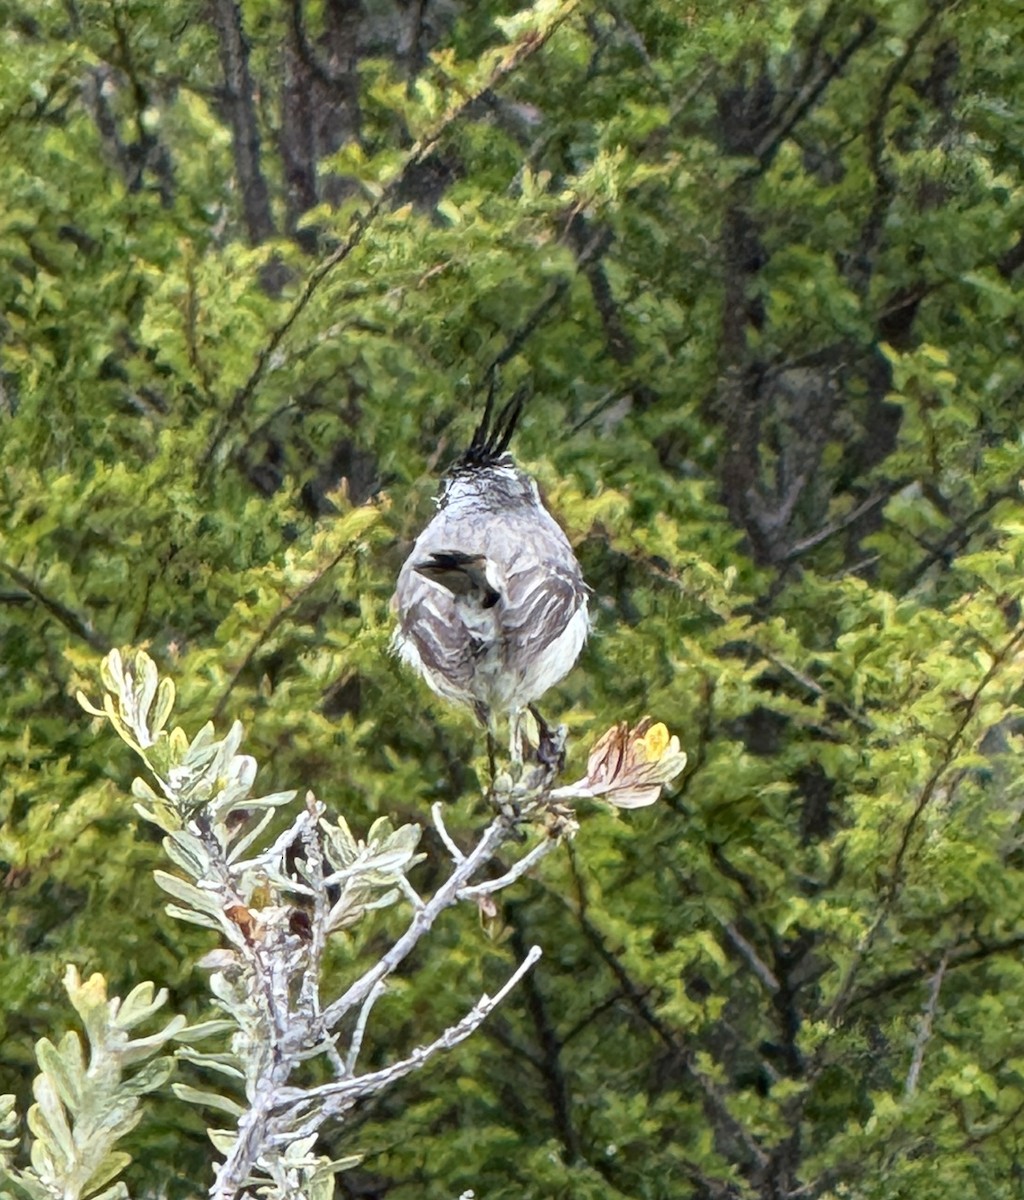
485,472
499,484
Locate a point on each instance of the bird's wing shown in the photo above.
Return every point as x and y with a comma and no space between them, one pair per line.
430,626
541,599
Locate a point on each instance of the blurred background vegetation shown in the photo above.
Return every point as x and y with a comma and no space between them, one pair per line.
760,266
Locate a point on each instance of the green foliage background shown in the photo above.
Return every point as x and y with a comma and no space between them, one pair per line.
761,267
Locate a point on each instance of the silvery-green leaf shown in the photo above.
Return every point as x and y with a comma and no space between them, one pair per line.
202,743
341,846
187,893
89,999
139,1049
178,744
147,679
119,1114
140,1003
164,704
247,839
242,771
320,1183
164,818
150,1077
224,1064
8,1114
185,850
117,1192
225,751
193,1095
49,1124
346,1163
223,1140
379,832
383,900
44,1164
297,1150
408,836
204,1029
141,790
389,861
225,991
265,875
192,917
29,1183
219,959
65,1067
112,672
275,799
88,705
344,914
112,1164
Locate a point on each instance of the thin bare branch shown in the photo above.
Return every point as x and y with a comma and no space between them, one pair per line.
74,622
410,893
436,812
245,132
809,95
833,527
526,863
356,1044
337,1096
924,1030
750,956
274,624
498,832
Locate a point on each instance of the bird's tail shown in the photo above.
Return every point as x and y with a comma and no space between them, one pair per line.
462,574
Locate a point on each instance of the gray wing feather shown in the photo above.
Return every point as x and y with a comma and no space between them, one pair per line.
540,601
428,618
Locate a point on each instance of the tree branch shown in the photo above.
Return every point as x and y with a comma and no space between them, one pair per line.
638,997
78,625
840,1004
274,624
525,864
958,956
808,96
495,835
361,222
822,535
875,138
925,1028
750,956
332,1099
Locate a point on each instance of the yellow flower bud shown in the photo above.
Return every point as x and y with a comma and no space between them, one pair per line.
655,742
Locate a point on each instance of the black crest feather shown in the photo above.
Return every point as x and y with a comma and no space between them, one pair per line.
492,436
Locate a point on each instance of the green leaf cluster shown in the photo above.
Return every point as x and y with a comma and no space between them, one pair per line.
84,1107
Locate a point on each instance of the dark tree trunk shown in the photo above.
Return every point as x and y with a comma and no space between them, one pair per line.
319,104
241,115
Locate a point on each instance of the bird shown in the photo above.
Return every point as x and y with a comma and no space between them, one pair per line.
491,603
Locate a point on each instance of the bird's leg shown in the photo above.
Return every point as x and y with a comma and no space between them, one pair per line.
486,719
505,802
550,742
492,755
516,737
